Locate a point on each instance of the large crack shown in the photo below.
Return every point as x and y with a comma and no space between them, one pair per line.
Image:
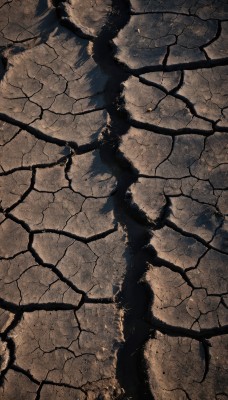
134,297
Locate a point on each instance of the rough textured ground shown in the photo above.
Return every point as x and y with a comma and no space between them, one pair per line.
113,204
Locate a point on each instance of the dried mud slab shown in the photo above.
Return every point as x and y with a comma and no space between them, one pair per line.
153,154
22,21
75,348
59,96
23,281
155,108
60,392
166,80
90,176
198,219
214,280
24,150
13,186
87,18
181,251
216,49
178,304
211,9
7,132
145,150
64,204
66,211
211,165
178,368
17,383
9,229
209,93
96,268
158,39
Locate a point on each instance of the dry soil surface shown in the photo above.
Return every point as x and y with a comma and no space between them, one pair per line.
113,204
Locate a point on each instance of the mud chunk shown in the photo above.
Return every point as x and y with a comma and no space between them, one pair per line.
167,111
87,18
176,366
8,230
17,385
183,35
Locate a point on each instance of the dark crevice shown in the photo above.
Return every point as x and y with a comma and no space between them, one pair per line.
14,308
62,160
18,310
153,84
199,202
160,262
179,331
19,222
64,233
134,296
164,62
221,128
82,239
14,256
194,236
182,66
16,368
147,82
3,65
191,107
141,216
180,84
48,139
90,300
33,131
39,391
167,131
206,347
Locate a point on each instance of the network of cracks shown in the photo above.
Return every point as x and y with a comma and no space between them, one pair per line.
113,179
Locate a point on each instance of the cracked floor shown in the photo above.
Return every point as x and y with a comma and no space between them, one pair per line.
113,204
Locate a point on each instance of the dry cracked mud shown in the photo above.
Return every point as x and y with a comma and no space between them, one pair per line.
113,200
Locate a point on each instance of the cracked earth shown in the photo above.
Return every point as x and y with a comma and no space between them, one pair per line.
113,205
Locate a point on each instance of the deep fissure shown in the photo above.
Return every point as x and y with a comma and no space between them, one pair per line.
131,371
